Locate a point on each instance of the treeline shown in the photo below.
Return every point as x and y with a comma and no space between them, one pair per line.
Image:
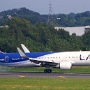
39,37
79,19
72,19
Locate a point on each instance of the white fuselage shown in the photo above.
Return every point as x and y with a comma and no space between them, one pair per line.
76,57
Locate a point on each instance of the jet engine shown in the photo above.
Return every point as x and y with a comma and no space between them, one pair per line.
65,65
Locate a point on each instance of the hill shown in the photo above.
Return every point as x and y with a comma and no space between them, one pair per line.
27,14
79,19
31,28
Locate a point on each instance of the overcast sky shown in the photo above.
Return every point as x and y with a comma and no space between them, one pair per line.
42,6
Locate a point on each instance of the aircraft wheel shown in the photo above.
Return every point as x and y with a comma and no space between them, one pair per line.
47,71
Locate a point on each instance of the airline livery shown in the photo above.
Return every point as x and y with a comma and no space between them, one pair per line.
62,60
15,60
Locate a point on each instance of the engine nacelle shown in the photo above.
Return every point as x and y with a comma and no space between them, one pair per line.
65,65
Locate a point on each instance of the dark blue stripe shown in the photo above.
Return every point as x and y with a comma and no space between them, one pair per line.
15,57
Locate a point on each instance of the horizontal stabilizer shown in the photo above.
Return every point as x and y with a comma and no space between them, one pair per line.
25,49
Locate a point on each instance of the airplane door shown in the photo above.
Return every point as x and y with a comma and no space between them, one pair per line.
6,59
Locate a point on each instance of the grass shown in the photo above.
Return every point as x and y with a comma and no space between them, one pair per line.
23,83
75,69
44,84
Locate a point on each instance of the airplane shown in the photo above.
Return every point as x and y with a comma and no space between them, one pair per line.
15,60
62,60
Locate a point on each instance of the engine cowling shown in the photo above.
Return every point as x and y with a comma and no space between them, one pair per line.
65,65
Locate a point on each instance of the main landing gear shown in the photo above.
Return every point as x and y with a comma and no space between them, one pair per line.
47,71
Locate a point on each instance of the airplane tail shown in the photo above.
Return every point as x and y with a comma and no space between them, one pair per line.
25,48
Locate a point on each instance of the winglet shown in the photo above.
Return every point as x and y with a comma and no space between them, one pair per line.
25,48
21,53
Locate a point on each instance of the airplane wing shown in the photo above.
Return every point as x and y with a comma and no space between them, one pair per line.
25,49
21,53
36,60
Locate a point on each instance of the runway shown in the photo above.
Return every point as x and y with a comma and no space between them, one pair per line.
41,75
